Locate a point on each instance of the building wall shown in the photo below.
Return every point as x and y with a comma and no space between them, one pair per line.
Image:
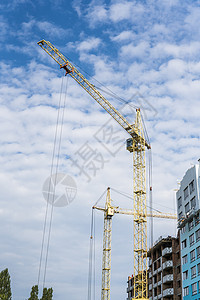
188,208
188,194
164,273
190,258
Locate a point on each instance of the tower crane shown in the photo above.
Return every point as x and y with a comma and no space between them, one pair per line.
137,145
109,211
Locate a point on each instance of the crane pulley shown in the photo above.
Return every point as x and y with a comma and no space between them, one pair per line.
137,145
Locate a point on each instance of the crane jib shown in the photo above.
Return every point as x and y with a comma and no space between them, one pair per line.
81,80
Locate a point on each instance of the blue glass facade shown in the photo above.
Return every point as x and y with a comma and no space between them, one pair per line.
188,209
190,258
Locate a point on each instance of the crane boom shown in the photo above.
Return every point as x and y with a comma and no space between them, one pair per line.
90,88
118,210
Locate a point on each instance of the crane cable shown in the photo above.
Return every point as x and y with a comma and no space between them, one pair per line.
91,273
150,199
57,139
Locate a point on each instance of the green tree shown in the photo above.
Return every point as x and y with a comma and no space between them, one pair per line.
47,294
34,293
5,289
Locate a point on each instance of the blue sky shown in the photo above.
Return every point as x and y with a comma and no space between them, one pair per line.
146,51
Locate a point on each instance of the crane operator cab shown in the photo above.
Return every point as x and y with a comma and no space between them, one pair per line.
129,145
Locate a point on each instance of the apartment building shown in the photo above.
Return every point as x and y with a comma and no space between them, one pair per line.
189,224
164,272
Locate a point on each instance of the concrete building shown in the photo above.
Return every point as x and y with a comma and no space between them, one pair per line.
164,273
188,208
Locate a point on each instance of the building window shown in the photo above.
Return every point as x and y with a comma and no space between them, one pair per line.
184,244
154,266
186,291
191,186
198,252
199,286
185,192
185,275
183,229
191,225
197,219
193,272
192,255
178,269
198,269
191,239
187,207
194,288
179,202
197,235
159,263
193,202
180,215
154,279
185,259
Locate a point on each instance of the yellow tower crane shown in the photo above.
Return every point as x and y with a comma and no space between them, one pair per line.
136,144
109,211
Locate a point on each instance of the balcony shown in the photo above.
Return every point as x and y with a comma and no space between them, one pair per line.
168,292
159,282
150,287
168,278
150,262
168,264
129,289
159,269
155,285
160,296
150,274
167,251
155,272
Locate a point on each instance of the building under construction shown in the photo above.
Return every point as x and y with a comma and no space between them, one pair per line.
164,272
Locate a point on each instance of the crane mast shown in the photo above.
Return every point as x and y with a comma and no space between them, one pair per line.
135,144
109,212
106,259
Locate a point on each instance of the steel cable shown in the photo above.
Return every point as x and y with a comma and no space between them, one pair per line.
56,173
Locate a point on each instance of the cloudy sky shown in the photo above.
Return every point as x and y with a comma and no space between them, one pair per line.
145,52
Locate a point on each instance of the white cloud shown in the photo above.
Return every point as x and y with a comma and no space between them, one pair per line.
77,6
124,36
4,29
117,12
192,22
131,50
96,14
46,27
189,50
89,44
125,11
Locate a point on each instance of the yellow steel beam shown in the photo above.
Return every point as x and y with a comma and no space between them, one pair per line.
88,87
160,215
